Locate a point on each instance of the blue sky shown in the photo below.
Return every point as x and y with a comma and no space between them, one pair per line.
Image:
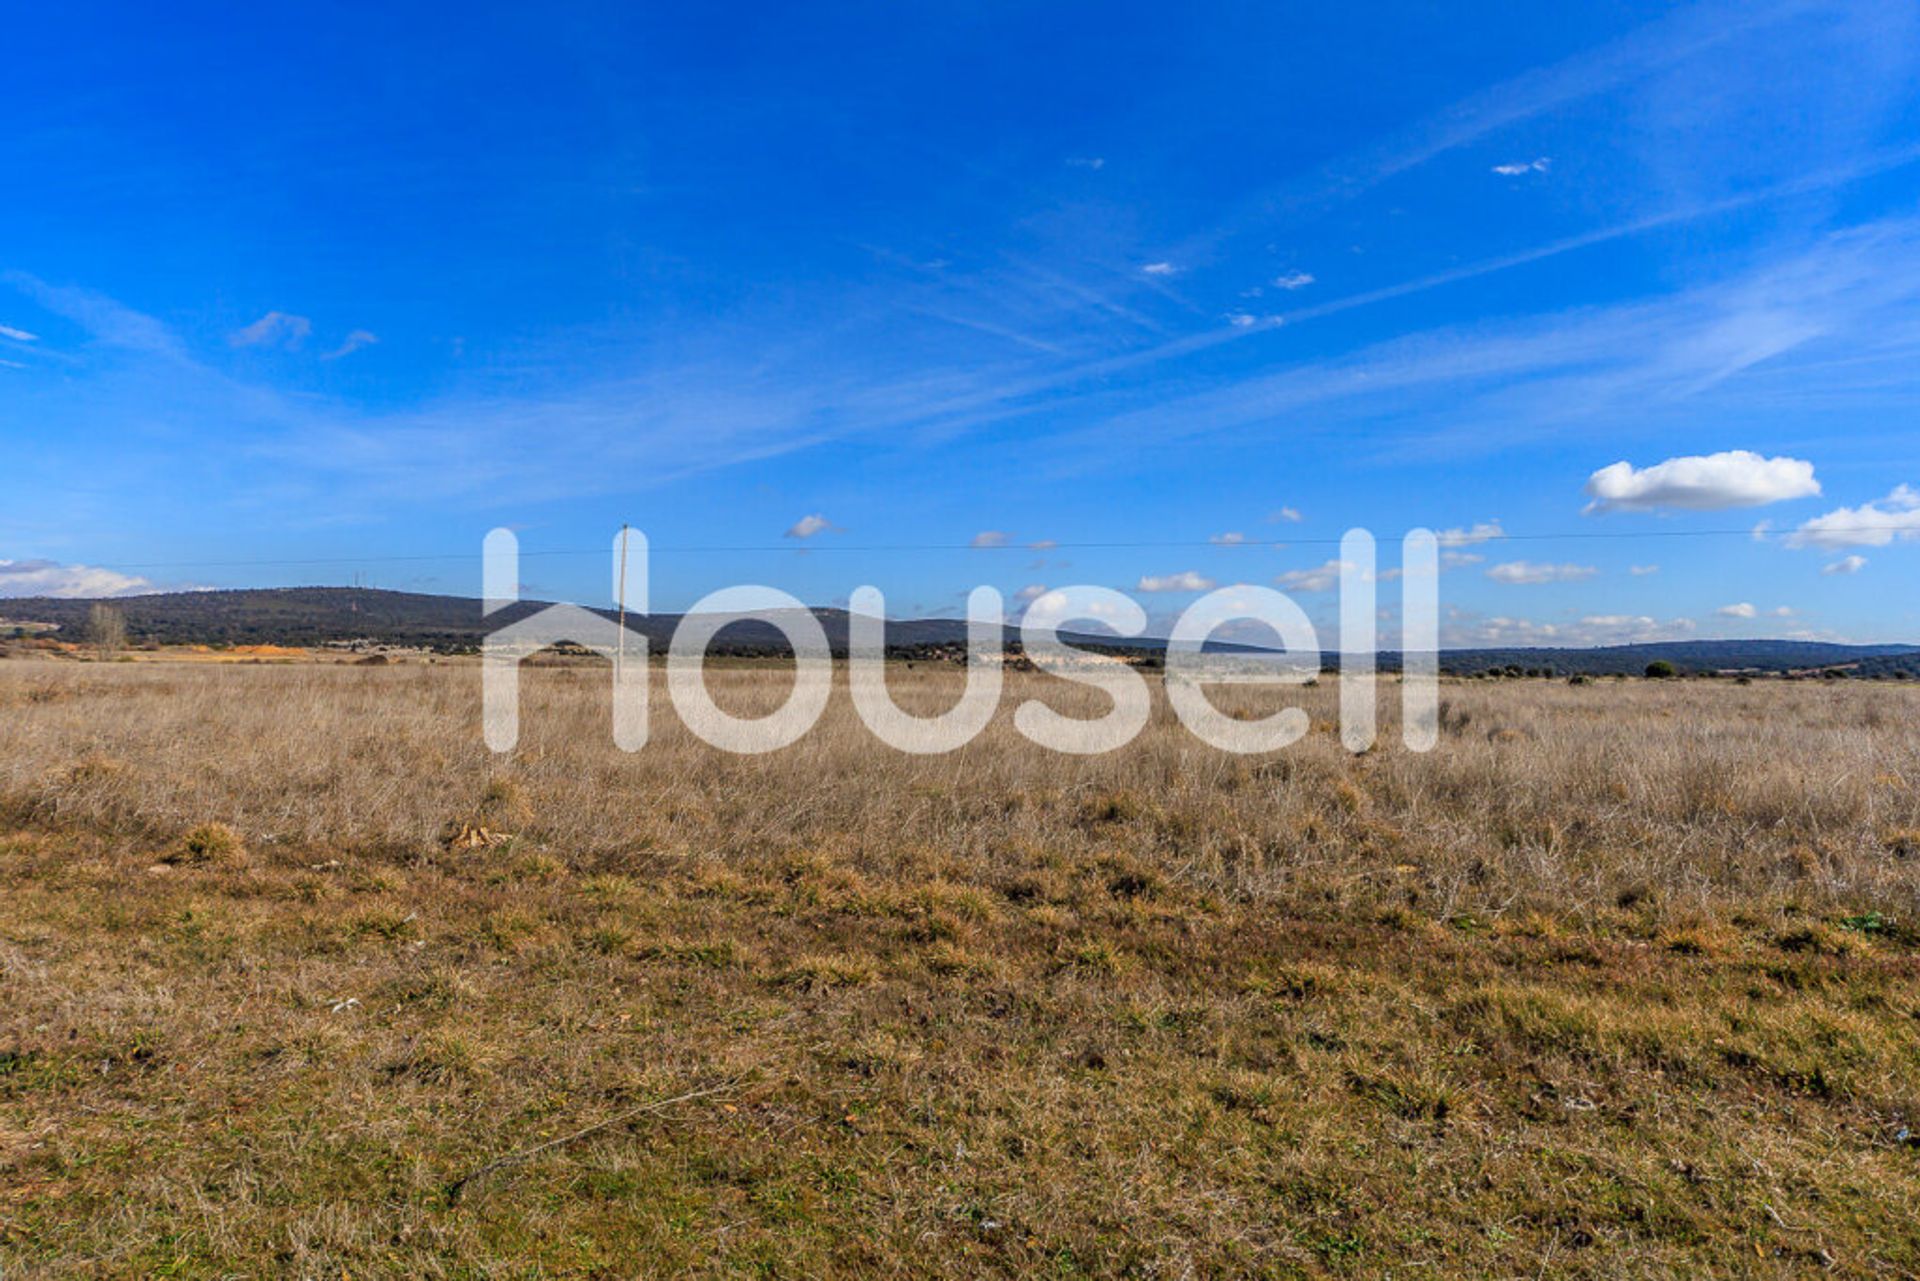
293,298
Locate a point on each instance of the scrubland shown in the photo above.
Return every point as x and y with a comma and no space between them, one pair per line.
1621,979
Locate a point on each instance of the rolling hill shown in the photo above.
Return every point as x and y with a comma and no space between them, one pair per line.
338,615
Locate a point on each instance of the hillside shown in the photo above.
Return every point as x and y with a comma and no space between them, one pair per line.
1758,656
336,615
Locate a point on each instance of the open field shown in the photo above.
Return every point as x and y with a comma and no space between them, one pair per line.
1623,979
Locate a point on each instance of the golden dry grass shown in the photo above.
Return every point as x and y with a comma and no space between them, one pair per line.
1620,980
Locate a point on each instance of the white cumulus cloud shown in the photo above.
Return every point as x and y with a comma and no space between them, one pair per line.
1527,571
1185,581
990,538
1288,515
1484,532
1874,524
808,526
1710,482
1293,280
1743,610
1159,269
49,578
1232,538
1845,565
1320,578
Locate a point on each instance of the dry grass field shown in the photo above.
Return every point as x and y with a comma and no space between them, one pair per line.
1623,979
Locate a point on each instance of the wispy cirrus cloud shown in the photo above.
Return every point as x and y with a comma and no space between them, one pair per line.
355,341
275,329
1533,376
1680,36
1794,318
583,434
105,319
